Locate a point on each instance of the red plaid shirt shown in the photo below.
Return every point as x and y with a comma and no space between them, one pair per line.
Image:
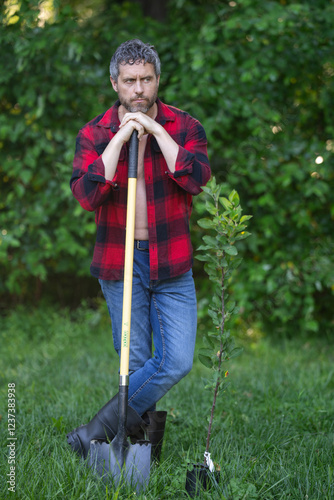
169,195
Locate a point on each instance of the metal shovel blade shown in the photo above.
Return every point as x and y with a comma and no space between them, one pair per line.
135,470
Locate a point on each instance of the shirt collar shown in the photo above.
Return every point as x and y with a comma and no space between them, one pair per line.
165,113
110,117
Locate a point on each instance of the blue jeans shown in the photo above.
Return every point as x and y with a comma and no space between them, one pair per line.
165,310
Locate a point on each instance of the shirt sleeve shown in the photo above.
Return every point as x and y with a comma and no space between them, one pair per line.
192,168
88,183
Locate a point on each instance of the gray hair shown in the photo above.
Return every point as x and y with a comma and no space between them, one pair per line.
131,52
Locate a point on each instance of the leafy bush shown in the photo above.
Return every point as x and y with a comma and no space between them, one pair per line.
259,75
56,79
261,80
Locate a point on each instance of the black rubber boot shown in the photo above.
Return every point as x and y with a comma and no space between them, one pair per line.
155,432
104,427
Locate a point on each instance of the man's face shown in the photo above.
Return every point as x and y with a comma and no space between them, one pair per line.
137,86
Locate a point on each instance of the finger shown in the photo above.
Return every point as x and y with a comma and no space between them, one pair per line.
126,131
136,126
125,121
132,116
130,124
141,131
129,117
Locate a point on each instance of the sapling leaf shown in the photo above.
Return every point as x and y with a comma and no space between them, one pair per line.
242,235
203,257
230,306
236,352
224,262
203,247
205,352
210,240
216,301
222,239
223,385
210,268
210,385
244,218
205,360
209,258
230,250
227,334
240,227
210,208
229,346
227,316
234,214
209,341
214,316
226,203
206,189
206,223
236,310
235,263
217,278
234,197
215,188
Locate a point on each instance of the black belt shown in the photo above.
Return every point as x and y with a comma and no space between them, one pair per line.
141,244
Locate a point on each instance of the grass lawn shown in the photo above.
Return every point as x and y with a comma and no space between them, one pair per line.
273,434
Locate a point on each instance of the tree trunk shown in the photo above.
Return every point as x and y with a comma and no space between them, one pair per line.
154,8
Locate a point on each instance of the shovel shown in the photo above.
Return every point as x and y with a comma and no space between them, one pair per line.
120,459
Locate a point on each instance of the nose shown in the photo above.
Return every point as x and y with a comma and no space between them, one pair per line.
138,86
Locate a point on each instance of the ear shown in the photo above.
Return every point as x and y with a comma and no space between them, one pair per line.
114,84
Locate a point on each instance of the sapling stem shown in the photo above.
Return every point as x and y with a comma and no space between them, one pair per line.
219,364
221,342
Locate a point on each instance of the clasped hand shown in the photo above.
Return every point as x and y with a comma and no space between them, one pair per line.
140,122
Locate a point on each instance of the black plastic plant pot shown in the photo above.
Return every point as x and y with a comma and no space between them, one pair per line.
199,478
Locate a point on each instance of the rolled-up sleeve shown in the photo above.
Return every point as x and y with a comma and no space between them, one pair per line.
192,168
88,183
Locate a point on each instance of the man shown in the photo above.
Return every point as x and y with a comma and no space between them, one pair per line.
172,166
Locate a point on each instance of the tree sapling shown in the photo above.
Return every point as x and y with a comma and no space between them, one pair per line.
226,226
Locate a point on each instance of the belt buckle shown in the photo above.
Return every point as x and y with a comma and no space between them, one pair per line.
138,242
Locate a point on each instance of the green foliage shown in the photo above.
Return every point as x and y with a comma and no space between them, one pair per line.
273,434
220,254
259,75
260,78
56,79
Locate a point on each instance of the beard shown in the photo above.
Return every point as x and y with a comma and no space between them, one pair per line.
144,106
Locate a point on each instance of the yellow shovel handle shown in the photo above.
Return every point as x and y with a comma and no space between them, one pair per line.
128,273
128,260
